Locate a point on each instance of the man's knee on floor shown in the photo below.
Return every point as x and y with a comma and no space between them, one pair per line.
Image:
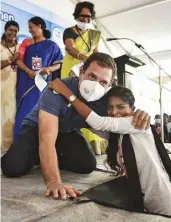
90,166
11,170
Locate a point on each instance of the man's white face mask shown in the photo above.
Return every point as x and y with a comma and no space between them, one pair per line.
158,121
83,25
91,90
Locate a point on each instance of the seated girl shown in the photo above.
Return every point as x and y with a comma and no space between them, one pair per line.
154,180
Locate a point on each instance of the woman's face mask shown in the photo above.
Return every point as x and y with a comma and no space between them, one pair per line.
91,90
84,25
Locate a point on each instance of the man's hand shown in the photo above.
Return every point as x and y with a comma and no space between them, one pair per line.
141,120
57,189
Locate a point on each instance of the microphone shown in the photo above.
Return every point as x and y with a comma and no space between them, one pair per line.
143,50
137,45
111,39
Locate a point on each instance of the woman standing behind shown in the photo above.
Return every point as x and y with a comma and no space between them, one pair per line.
9,45
36,53
80,40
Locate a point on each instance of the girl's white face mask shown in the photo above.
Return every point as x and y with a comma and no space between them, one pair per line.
84,26
91,90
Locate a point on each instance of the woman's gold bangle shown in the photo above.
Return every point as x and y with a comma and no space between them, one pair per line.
78,55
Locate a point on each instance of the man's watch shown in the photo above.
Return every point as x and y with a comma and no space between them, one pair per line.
72,98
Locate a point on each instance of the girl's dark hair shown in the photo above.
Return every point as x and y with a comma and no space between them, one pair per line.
127,96
7,25
124,93
81,5
39,21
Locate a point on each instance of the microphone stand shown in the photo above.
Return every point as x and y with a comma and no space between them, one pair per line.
160,79
144,51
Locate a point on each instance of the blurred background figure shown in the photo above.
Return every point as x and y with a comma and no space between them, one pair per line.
80,40
37,53
169,128
169,119
157,120
165,118
9,46
158,126
166,132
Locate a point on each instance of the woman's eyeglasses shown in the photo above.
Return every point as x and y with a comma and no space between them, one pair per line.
85,16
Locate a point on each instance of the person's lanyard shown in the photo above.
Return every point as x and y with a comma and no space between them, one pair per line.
36,61
36,48
13,66
12,53
88,46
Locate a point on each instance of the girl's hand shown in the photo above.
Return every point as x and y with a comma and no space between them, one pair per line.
141,120
58,86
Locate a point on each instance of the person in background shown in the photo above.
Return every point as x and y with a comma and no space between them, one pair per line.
154,179
169,128
81,41
9,46
157,125
36,53
165,122
165,118
169,119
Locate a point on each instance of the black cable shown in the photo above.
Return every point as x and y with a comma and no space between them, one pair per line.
89,47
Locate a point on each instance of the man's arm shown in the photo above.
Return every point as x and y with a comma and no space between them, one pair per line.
48,132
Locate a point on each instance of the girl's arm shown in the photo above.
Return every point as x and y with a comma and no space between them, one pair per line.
62,89
122,125
111,124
